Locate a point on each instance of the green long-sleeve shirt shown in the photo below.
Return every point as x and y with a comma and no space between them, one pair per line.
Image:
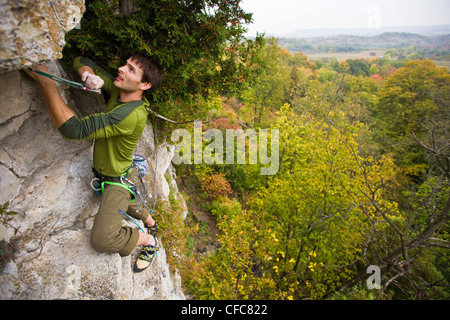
116,130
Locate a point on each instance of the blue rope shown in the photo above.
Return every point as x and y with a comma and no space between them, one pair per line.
135,222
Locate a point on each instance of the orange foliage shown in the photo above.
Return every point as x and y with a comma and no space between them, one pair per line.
215,185
376,77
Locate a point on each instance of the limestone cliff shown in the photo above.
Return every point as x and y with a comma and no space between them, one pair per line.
47,179
33,31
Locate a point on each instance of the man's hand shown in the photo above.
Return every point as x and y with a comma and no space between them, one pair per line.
91,80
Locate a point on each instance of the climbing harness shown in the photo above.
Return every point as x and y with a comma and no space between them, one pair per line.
65,81
99,181
137,191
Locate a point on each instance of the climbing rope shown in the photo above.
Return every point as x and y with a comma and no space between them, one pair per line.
183,122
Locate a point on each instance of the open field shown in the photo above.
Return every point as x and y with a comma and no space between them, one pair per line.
443,64
362,55
345,47
348,55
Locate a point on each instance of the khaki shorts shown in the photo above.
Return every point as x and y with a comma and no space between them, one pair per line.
108,234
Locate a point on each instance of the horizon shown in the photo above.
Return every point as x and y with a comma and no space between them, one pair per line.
426,30
423,30
291,16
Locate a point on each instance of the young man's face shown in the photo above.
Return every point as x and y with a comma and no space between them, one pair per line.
129,78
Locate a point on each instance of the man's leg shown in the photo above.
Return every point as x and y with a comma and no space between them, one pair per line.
147,240
135,209
108,234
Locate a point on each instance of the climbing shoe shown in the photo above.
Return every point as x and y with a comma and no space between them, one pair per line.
153,229
146,257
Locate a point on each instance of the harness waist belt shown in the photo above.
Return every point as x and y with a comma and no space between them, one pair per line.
106,178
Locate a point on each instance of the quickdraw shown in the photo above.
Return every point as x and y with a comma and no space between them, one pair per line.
65,81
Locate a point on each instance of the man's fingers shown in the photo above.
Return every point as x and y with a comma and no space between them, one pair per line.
96,83
92,81
84,76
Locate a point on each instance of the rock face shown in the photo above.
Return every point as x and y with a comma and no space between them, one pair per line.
32,32
46,180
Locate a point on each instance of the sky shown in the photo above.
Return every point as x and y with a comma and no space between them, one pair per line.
275,17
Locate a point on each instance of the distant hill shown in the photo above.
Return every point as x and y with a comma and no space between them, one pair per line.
436,30
354,43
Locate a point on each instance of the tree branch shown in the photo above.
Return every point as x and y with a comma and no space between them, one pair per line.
421,240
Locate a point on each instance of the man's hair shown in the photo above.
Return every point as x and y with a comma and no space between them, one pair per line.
151,70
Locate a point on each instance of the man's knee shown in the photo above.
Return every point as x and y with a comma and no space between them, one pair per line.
121,241
101,241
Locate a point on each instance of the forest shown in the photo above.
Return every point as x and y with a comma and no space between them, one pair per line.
364,158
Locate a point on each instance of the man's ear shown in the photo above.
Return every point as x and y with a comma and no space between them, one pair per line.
145,86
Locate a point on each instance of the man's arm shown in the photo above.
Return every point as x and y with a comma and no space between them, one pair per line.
83,69
59,112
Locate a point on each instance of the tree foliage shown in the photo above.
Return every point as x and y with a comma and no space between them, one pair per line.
199,44
414,109
318,205
343,198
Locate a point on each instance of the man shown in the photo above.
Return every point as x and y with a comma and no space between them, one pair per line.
116,132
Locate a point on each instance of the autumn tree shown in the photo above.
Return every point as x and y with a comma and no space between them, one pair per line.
413,109
359,67
411,119
270,88
315,204
237,270
302,71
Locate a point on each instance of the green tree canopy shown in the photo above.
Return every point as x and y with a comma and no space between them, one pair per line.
413,109
199,43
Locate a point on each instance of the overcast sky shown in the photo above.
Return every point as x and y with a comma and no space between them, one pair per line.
276,17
